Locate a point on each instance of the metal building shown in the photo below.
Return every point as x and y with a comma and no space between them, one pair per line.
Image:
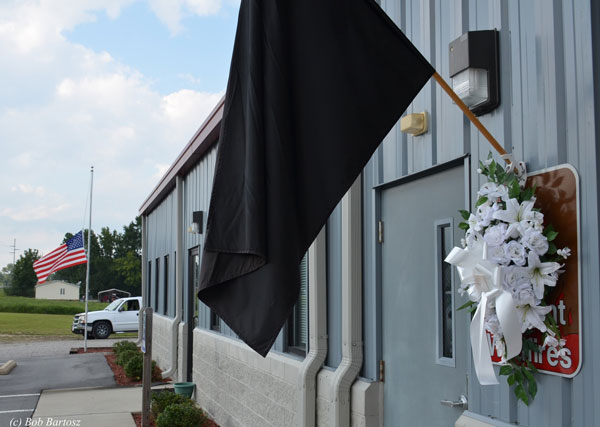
364,346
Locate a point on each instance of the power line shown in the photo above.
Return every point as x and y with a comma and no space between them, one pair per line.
14,249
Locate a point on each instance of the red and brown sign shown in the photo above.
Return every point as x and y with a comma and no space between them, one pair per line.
557,193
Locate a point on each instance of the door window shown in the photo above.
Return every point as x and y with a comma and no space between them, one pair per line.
444,231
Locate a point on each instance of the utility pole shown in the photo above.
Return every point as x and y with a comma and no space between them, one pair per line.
14,249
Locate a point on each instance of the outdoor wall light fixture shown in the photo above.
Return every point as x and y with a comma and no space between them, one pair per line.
196,227
474,70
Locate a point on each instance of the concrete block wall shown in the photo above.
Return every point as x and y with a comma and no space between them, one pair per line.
161,341
366,401
239,388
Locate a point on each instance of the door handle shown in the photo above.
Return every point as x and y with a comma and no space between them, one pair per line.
461,402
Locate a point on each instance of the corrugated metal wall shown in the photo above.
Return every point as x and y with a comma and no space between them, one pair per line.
197,190
197,185
546,117
161,242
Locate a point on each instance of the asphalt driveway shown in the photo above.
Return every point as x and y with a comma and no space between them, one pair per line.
20,390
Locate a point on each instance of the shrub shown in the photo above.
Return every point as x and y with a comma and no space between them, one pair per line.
124,356
134,367
122,346
166,398
181,415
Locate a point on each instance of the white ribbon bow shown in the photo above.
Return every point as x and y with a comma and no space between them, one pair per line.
485,277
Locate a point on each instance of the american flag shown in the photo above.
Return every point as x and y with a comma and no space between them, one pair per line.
66,255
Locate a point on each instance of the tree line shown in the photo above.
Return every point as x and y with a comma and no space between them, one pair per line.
116,262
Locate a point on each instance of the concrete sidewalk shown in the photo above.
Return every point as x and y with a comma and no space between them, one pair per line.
88,407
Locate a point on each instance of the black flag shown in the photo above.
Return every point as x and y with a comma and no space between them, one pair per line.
314,87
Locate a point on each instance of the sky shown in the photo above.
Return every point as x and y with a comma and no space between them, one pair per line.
120,85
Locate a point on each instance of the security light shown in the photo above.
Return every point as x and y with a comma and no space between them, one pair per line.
474,70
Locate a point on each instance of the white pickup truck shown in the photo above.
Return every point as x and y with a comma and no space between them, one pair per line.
121,315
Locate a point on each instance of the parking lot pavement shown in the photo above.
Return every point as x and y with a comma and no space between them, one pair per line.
26,349
20,390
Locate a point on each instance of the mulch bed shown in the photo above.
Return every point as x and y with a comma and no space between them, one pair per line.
123,380
120,377
119,372
137,417
91,350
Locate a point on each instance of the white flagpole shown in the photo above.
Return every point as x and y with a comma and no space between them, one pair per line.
87,272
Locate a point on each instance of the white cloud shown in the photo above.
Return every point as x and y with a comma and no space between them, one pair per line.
34,213
171,12
161,169
29,189
190,78
64,107
183,108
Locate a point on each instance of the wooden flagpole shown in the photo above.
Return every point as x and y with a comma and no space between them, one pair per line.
470,115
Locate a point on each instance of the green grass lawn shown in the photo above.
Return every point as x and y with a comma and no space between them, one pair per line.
36,324
41,306
25,318
17,326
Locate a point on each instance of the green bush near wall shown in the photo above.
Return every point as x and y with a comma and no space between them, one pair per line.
123,346
162,399
125,356
181,415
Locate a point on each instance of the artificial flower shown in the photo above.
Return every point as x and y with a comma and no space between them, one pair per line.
550,341
517,215
535,241
533,316
540,274
564,252
515,252
495,235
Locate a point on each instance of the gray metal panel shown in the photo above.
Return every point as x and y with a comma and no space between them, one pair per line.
161,241
546,117
197,192
334,288
197,187
371,292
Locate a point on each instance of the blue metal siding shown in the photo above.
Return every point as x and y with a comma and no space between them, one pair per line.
334,288
197,185
161,241
546,117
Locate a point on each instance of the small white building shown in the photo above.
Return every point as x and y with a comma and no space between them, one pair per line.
57,289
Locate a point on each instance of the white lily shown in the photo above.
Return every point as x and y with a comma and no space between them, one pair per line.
540,273
533,316
493,191
473,222
517,215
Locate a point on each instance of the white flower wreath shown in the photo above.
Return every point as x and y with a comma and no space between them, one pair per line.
507,262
